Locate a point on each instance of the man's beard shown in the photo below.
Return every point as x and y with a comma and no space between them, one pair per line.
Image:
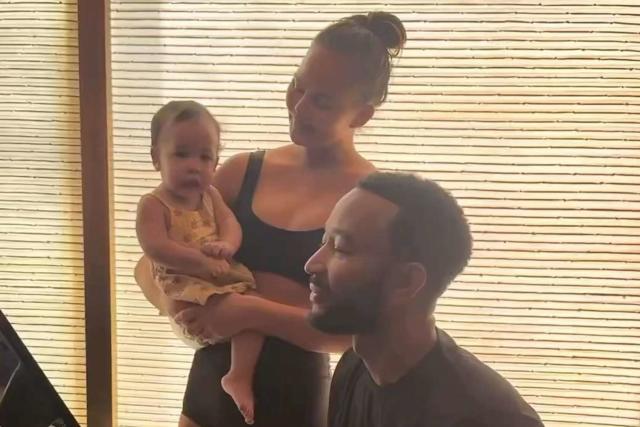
356,313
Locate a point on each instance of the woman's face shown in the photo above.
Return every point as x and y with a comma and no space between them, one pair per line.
322,99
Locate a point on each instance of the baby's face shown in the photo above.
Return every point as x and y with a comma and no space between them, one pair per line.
188,156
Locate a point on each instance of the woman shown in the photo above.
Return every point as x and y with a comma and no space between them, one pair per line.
282,198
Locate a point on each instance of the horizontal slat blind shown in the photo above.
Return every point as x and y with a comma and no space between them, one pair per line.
41,265
526,110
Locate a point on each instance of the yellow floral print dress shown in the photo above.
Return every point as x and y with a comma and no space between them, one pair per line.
194,229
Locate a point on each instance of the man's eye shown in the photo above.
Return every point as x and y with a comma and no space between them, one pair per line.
340,248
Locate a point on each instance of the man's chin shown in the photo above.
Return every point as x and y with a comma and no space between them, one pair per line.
334,323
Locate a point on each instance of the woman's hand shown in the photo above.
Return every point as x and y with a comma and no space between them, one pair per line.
227,315
221,317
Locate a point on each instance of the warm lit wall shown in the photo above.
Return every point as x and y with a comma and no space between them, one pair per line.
41,266
526,110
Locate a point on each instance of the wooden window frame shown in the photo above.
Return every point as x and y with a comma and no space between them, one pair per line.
97,190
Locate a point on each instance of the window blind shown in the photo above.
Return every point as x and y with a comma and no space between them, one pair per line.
41,265
527,111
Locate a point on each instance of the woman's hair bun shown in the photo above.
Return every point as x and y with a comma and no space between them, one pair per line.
389,29
373,40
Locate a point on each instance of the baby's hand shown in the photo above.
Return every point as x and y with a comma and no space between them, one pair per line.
217,267
218,249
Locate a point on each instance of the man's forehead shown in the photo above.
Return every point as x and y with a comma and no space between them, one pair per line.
362,211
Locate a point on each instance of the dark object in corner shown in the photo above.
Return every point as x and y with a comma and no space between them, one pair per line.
27,398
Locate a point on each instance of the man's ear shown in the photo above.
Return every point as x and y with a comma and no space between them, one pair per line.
411,279
155,158
363,116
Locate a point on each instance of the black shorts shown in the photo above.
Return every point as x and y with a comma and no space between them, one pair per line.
291,388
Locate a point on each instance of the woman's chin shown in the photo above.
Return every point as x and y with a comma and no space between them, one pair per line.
304,137
298,138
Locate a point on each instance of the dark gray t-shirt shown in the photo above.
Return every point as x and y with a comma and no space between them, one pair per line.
450,387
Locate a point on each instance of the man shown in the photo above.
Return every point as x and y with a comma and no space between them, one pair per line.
391,247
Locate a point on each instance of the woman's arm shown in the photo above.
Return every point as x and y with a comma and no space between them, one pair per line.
144,279
234,313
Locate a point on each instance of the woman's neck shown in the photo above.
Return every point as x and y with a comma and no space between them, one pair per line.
335,156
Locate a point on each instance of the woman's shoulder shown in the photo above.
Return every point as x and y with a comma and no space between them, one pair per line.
363,167
284,155
229,176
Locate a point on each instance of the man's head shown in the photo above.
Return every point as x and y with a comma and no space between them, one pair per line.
395,241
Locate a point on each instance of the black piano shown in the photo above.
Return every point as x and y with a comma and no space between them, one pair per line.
27,398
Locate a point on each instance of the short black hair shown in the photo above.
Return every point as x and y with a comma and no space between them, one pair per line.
429,228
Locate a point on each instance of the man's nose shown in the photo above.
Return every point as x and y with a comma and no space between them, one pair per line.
317,262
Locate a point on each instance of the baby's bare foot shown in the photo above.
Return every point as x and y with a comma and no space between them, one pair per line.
240,390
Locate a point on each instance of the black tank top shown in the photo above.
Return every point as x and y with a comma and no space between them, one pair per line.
291,385
265,247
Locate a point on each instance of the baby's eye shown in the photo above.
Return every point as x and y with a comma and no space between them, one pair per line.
181,154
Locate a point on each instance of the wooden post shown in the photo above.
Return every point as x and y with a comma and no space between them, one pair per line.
95,125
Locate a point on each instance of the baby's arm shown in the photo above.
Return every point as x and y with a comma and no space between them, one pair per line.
151,228
229,230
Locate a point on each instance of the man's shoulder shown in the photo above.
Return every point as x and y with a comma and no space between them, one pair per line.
466,380
343,385
348,364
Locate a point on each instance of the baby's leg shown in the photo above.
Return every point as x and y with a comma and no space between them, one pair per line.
238,383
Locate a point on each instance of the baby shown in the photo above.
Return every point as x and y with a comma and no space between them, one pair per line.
186,217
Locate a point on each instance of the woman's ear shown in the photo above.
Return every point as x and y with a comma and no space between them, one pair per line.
363,116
